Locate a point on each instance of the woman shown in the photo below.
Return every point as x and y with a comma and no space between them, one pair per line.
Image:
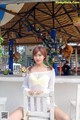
40,78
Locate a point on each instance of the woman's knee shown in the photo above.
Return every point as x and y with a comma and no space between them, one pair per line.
16,114
66,117
60,115
18,111
20,108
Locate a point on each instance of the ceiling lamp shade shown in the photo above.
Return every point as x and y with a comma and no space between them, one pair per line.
5,17
76,21
2,12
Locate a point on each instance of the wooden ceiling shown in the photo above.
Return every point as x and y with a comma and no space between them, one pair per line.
37,18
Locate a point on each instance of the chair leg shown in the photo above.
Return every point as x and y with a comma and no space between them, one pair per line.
72,112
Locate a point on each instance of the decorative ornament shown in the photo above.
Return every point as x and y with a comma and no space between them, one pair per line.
1,40
53,60
30,50
23,69
16,56
67,51
76,21
53,33
0,50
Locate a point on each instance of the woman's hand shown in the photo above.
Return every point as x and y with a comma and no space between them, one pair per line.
39,92
35,92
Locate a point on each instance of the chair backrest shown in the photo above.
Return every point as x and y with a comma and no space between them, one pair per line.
78,103
36,106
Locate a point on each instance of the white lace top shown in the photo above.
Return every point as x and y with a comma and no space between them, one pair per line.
40,80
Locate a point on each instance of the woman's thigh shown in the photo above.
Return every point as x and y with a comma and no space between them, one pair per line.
16,114
60,115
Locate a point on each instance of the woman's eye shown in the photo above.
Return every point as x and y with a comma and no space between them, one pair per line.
39,55
35,56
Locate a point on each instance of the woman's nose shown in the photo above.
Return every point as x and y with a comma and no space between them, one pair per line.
37,57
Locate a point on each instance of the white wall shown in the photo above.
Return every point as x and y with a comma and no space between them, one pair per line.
14,93
65,92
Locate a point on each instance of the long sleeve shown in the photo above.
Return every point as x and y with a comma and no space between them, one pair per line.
52,81
26,83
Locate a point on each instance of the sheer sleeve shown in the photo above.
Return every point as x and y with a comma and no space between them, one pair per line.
26,80
26,83
52,81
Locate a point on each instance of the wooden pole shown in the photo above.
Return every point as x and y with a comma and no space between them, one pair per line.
60,68
76,61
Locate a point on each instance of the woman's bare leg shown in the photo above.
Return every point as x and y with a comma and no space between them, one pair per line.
17,114
60,115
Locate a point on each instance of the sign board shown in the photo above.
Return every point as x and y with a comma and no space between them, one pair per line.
22,1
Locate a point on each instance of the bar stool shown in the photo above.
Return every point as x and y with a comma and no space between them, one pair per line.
75,106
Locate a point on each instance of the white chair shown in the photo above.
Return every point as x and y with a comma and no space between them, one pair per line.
75,106
35,107
72,109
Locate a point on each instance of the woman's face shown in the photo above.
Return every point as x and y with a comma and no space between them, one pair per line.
39,58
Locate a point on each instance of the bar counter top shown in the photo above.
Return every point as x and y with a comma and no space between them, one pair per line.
59,79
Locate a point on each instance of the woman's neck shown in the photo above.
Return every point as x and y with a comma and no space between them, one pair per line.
40,65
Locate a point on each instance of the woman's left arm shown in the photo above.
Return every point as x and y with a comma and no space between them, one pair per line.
52,81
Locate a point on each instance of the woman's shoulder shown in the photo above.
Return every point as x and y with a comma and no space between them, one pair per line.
49,67
29,69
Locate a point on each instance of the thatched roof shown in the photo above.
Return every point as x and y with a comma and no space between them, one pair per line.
43,16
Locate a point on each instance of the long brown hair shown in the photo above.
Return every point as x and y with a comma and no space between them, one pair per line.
43,52
41,49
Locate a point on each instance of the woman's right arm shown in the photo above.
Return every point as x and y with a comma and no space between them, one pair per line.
26,80
26,83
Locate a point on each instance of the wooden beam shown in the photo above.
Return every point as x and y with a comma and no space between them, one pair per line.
24,44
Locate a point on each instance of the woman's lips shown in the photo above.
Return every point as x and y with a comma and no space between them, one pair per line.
37,60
